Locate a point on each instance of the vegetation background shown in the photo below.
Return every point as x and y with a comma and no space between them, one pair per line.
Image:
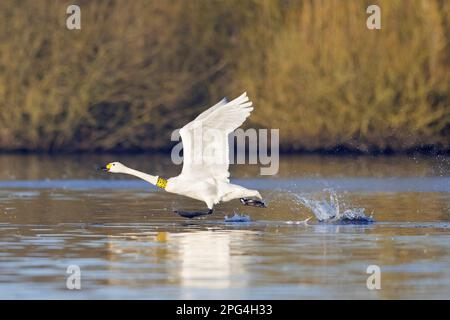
139,69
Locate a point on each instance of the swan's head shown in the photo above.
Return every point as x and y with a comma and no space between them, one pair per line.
114,167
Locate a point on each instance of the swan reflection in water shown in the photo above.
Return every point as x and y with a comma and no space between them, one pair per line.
210,259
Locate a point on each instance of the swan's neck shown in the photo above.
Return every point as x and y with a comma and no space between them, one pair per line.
144,176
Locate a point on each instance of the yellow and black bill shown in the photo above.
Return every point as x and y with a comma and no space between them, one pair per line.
106,168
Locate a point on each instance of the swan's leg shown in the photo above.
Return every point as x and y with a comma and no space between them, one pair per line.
253,202
193,214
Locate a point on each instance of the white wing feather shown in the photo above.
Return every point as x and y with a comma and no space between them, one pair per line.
205,139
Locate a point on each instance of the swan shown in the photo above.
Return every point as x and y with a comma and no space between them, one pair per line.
205,174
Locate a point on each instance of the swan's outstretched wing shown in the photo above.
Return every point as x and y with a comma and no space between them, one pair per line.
205,139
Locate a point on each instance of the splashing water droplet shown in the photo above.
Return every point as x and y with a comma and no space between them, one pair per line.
238,218
329,210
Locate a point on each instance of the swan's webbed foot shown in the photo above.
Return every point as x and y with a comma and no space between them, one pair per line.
253,202
193,214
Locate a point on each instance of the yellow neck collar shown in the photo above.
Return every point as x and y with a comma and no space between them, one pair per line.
161,183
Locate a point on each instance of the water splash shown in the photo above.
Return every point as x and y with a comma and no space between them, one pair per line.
330,211
301,222
238,218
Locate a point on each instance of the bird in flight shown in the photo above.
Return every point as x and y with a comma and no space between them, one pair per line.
205,174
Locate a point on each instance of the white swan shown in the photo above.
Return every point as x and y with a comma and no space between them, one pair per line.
205,174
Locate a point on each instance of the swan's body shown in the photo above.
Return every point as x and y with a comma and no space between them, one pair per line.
205,174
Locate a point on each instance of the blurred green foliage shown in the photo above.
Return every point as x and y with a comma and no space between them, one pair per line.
139,69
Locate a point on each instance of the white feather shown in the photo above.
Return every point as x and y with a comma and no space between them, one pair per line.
205,173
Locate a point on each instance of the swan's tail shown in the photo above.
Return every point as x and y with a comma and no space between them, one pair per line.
230,191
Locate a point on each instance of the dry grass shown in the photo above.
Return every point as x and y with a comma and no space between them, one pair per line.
139,69
328,81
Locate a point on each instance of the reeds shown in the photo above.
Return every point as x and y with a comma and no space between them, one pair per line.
138,69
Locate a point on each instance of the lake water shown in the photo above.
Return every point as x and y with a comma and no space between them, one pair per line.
58,211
